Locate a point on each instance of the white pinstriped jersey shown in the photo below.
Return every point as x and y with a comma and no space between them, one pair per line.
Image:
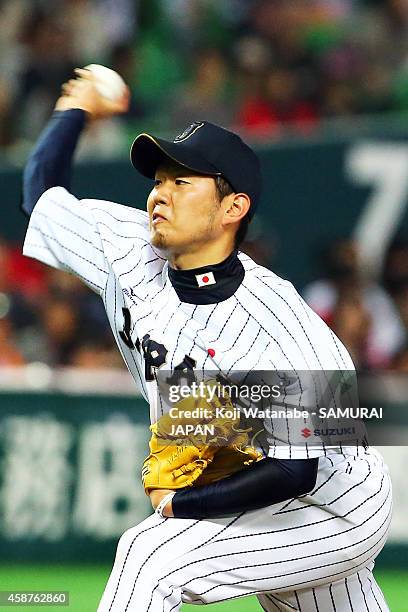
309,554
264,325
312,552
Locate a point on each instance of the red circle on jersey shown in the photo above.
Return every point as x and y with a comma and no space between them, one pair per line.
205,279
211,352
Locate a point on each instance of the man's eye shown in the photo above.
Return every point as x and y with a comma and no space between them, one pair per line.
157,182
181,182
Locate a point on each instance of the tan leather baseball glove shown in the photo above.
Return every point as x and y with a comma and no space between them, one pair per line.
187,451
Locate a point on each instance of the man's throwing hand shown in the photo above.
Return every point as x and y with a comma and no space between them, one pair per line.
82,93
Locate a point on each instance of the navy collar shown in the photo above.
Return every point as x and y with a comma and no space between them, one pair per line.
209,284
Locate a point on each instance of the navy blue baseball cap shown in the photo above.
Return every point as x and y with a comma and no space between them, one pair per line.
205,148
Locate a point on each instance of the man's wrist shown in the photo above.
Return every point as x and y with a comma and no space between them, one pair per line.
72,110
164,507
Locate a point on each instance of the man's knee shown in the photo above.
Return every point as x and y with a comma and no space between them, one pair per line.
127,538
133,542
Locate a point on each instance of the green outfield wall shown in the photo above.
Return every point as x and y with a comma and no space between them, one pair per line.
70,475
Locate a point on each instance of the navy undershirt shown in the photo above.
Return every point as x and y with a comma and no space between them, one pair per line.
266,482
50,162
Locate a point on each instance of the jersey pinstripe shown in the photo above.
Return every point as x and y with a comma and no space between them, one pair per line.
264,326
312,553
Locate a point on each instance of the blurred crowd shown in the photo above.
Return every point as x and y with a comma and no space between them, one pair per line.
262,66
48,316
370,317
265,67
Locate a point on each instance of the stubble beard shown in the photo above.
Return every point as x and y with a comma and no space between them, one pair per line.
158,241
161,242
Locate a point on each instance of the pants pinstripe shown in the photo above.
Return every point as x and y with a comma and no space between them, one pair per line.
313,553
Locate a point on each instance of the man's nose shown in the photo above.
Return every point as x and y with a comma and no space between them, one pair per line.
162,193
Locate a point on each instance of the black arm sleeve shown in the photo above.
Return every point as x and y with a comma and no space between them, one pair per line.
49,164
264,483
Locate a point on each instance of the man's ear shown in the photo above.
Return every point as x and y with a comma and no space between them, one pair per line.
237,207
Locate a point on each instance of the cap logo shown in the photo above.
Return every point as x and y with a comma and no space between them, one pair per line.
205,279
189,131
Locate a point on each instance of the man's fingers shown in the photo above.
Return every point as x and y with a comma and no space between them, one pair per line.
83,73
68,87
82,93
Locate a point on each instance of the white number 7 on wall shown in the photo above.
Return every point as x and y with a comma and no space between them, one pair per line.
385,167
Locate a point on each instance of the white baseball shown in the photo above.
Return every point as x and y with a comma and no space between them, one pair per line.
108,83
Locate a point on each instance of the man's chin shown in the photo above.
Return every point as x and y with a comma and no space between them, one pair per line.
159,240
166,243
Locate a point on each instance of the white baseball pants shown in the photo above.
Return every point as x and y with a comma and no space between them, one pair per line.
312,554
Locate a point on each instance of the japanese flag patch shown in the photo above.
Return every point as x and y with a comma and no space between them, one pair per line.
203,280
